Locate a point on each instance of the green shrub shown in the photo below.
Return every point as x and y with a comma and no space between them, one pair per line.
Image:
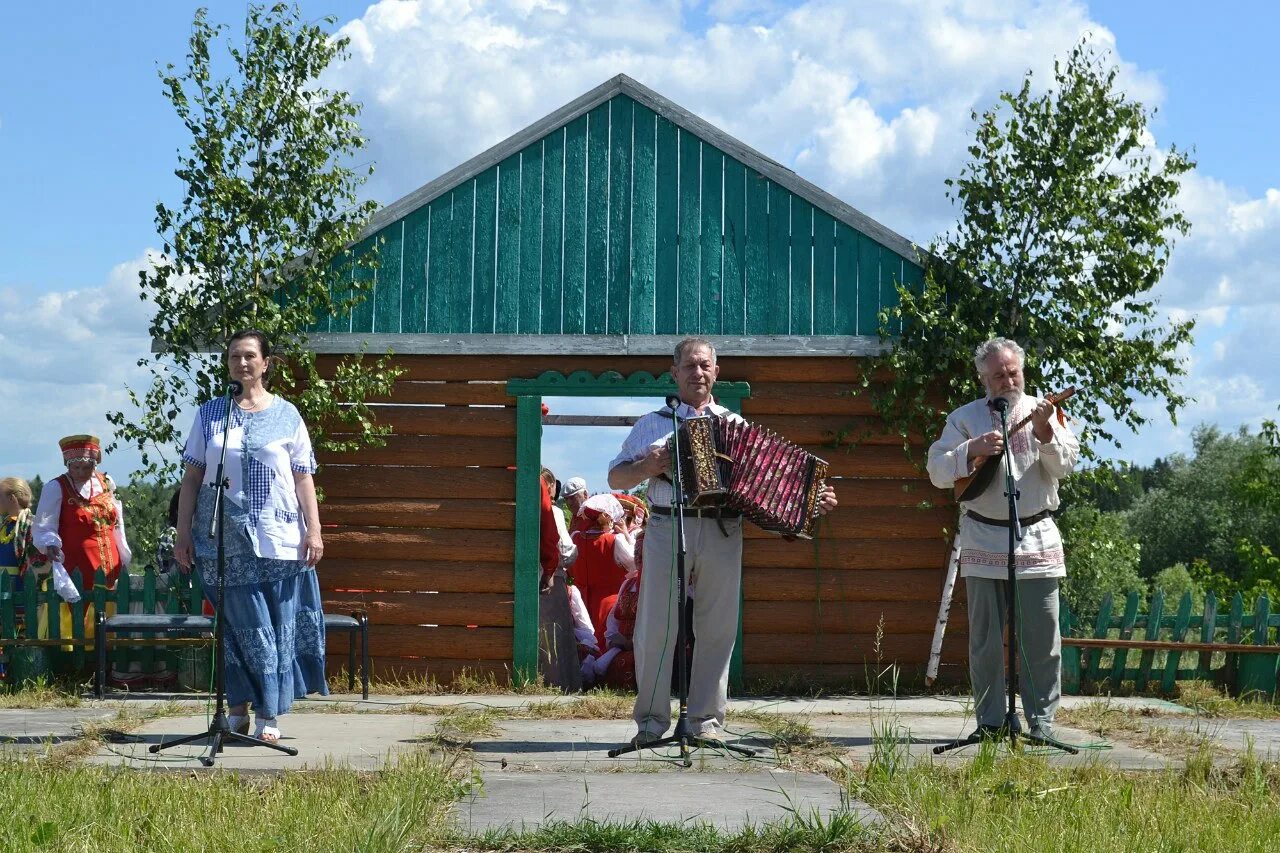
1102,557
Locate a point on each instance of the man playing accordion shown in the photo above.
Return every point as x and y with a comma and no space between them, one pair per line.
713,562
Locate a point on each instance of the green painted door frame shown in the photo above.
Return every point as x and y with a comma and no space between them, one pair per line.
529,394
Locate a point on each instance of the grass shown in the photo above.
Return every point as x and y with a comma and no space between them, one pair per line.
42,693
466,682
801,833
1001,802
1210,700
86,808
998,801
787,731
598,704
462,727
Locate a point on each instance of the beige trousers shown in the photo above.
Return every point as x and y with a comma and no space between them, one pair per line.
713,567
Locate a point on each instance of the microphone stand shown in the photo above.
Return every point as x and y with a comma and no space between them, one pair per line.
1011,725
684,736
219,731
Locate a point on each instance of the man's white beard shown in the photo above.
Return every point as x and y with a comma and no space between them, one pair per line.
1013,397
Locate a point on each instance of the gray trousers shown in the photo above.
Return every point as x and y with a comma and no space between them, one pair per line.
557,646
1039,648
713,565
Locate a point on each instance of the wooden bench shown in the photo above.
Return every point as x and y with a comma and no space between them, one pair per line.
185,628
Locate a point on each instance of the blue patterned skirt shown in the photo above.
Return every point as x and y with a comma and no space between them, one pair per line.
273,629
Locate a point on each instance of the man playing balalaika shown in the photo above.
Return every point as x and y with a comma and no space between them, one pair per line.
1043,452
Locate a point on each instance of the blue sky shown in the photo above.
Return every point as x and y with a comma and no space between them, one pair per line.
869,100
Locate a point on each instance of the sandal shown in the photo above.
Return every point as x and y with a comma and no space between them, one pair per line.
264,729
238,723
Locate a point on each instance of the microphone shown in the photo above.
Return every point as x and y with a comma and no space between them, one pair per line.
673,402
235,388
1000,404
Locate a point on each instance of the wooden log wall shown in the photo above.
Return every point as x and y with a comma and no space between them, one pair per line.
863,595
421,533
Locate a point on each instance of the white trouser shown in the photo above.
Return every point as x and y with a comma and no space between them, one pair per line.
713,565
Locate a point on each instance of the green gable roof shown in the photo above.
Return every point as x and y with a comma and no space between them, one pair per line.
624,214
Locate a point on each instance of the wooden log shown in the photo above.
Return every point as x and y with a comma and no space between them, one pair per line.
399,544
866,585
840,554
843,649
448,393
845,678
873,523
440,513
446,451
806,398
497,368
858,493
482,368
441,642
868,461
832,430
359,481
470,576
1168,645
492,610
839,617
449,420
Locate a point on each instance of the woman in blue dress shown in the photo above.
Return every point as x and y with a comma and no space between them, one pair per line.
274,626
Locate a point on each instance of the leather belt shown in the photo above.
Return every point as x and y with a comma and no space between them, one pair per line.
1004,522
698,512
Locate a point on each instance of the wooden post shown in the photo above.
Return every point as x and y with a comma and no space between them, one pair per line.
524,653
8,616
31,607
1208,627
1154,617
1126,631
1180,625
1070,654
77,622
1235,626
1101,626
123,594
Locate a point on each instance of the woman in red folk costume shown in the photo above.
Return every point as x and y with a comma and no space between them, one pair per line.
616,666
605,553
80,523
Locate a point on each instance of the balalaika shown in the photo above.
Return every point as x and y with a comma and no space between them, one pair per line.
731,463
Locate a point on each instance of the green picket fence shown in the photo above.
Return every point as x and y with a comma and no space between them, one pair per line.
27,656
1161,669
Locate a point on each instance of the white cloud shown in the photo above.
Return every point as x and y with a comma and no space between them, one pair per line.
869,100
68,357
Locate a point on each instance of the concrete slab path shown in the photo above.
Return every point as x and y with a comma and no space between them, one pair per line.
918,734
34,730
727,801
357,741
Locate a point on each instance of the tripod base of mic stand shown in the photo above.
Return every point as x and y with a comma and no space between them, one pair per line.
686,742
218,735
1011,730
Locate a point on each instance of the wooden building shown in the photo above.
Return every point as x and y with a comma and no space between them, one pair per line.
568,260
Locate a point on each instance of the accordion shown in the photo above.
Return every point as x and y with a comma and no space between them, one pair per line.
732,463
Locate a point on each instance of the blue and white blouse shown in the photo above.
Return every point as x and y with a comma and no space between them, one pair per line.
264,450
